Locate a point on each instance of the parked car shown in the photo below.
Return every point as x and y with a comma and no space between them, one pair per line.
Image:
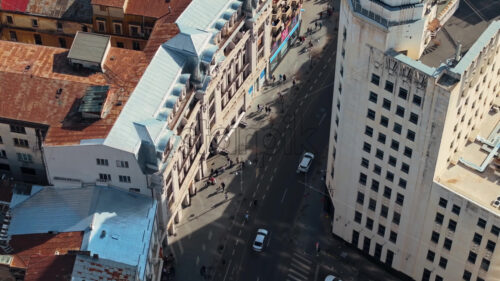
305,162
260,238
331,278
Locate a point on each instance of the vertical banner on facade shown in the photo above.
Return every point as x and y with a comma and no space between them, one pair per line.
262,77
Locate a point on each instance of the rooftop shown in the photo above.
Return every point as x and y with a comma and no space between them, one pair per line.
464,27
149,8
31,76
117,225
89,47
478,187
87,268
72,10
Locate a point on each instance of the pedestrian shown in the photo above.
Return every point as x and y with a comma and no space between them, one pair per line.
281,77
231,163
223,186
203,271
284,77
293,82
225,196
259,108
316,24
246,216
274,79
320,25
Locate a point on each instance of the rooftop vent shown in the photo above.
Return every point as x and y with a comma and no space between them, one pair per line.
93,101
103,233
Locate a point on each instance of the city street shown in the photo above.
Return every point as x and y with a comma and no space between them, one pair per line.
214,240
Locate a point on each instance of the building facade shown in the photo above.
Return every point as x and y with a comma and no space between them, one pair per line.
286,20
413,158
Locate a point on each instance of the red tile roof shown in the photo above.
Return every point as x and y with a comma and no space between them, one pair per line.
109,3
30,76
29,246
14,5
50,268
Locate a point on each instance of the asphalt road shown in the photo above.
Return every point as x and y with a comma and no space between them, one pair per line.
275,184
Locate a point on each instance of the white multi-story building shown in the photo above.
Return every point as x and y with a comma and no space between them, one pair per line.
413,167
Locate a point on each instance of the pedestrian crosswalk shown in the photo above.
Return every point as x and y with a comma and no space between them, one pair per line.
300,267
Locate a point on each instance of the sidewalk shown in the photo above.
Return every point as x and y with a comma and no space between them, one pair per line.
200,235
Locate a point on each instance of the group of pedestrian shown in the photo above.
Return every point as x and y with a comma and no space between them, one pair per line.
266,108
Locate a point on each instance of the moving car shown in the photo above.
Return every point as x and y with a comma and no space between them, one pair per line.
331,278
258,244
305,163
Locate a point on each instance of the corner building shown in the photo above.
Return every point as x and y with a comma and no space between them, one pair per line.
413,169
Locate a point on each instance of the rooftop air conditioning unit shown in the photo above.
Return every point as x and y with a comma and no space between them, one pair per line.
496,203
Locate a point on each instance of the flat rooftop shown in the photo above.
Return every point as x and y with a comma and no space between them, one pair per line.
484,187
464,27
31,76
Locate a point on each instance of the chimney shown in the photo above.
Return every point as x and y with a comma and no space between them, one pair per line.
458,52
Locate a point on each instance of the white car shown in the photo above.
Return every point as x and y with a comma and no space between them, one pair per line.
331,278
258,244
305,163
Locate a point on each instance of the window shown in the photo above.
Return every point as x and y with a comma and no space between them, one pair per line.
472,257
21,142
17,129
389,86
495,230
393,237
59,26
121,164
408,152
400,199
105,177
439,218
9,20
443,202
34,22
384,121
136,190
102,162
102,8
430,255
38,39
481,223
370,114
13,36
134,30
378,251
395,145
485,264
124,178
379,154
443,262
389,176
366,244
410,135
396,218
397,128
118,28
372,205
387,192
28,171
417,100
369,223
381,230
377,169
477,238
1,141
375,79
355,238
367,147
386,104
24,157
447,244
414,118
402,183
361,198
403,93
357,216
452,225
392,161
3,154
426,275
381,138
490,246
120,45
62,42
384,211
369,131
467,275
101,25
373,97
364,162
375,185
435,237
362,178
136,46
400,111
405,168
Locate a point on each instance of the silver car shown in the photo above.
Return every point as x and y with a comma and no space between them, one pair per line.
305,162
258,243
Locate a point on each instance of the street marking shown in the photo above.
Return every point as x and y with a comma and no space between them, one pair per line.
267,188
253,195
322,118
282,134
283,198
274,150
278,143
270,158
272,177
227,270
258,184
210,235
304,277
287,125
315,80
275,169
264,196
301,102
239,233
330,59
316,272
303,259
320,73
310,88
197,260
297,264
324,66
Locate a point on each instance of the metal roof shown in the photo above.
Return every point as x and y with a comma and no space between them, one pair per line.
94,98
118,225
191,41
154,86
202,14
89,47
